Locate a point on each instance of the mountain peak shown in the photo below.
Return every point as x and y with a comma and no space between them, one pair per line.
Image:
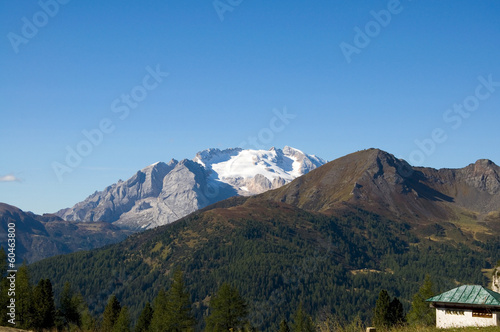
485,163
156,166
215,155
161,193
377,181
239,168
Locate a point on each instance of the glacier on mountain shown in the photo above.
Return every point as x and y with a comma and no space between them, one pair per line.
162,193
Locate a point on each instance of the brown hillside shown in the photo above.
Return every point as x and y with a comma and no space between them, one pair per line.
377,181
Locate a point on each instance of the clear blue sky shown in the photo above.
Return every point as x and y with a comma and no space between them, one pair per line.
228,69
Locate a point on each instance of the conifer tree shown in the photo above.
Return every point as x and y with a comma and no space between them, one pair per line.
158,322
284,326
69,305
4,300
44,308
111,313
396,313
228,310
24,293
89,323
144,320
122,323
179,312
421,313
302,322
3,262
4,286
381,314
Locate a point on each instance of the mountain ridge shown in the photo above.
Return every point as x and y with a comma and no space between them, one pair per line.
42,236
162,193
379,182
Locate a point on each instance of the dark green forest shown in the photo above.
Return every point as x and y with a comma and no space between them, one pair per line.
278,259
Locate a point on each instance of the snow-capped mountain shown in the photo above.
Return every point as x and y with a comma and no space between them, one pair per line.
252,172
162,193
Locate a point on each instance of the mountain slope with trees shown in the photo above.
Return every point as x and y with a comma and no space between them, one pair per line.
300,245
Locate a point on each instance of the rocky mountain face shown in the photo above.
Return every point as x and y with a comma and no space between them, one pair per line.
162,193
39,237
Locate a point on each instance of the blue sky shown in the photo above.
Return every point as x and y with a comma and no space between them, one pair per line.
68,66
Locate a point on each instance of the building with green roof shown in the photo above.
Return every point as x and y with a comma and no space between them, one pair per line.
468,305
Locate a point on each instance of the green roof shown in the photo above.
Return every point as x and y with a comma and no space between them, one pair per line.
468,294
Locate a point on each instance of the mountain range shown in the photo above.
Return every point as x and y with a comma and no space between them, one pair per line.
156,195
330,240
164,192
42,236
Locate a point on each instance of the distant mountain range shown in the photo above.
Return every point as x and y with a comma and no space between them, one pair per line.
448,203
39,237
330,239
162,193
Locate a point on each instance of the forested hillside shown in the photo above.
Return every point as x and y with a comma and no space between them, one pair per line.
277,256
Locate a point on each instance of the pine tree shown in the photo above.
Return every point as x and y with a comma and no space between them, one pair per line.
4,286
396,313
44,308
24,293
111,313
388,313
421,313
158,322
179,317
69,305
284,326
144,320
381,314
3,262
302,322
228,310
89,323
122,323
4,301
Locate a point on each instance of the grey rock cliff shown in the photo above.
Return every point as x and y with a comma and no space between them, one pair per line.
162,193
